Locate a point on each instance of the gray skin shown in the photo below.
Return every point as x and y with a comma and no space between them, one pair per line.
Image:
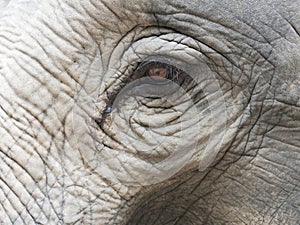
65,158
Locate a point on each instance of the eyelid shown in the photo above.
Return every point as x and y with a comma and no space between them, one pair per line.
174,49
164,48
166,60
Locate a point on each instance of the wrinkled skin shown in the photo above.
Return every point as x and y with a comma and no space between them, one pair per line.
63,160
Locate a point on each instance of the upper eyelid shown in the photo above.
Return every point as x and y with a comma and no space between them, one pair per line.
124,59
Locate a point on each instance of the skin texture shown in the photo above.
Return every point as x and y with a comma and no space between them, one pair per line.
66,158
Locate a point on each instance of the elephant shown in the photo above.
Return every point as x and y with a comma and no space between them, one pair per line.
150,112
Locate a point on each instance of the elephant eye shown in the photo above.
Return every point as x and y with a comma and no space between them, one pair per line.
159,71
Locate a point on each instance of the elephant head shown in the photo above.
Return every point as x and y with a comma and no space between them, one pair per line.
149,112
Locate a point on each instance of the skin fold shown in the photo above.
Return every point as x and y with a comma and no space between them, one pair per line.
150,112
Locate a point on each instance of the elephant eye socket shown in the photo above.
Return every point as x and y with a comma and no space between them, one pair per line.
154,85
